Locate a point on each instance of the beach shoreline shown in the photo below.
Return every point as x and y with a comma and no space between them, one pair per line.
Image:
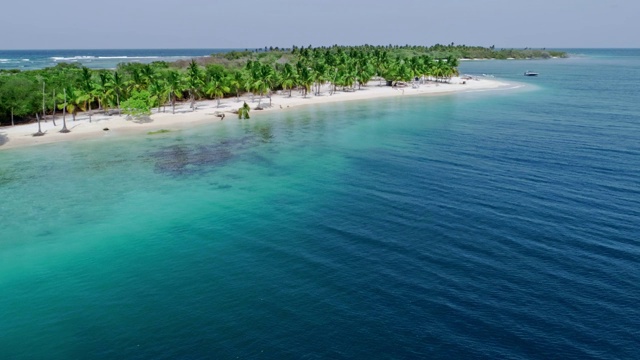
206,111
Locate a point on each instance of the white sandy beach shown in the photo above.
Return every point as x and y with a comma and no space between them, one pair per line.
22,135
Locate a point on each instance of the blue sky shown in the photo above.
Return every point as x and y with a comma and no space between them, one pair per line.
75,24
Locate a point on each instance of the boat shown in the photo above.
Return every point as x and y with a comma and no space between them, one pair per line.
530,73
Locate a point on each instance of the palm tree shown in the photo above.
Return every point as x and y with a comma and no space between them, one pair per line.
147,75
87,89
158,91
101,89
39,133
136,82
441,70
289,78
348,77
267,79
73,100
116,86
404,72
247,83
64,113
427,66
364,73
194,82
243,112
174,87
452,66
217,89
53,113
63,105
306,79
235,81
320,69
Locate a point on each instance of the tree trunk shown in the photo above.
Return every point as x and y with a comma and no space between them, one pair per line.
64,115
53,114
12,123
173,103
89,111
64,109
64,122
39,133
44,111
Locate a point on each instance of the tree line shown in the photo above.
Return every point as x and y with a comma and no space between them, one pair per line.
138,88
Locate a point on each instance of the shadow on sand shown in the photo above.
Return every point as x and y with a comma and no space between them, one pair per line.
3,139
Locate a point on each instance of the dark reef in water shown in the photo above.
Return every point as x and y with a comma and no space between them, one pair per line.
182,159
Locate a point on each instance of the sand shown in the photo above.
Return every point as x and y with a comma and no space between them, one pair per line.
22,135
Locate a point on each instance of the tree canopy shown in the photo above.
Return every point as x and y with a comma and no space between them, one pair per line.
259,72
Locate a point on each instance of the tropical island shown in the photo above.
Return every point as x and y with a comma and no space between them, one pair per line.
254,76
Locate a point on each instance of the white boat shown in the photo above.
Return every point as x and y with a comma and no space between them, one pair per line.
530,73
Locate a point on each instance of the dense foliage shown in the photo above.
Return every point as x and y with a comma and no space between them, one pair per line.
260,72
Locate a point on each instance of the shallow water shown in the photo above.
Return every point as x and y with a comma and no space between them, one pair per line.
477,225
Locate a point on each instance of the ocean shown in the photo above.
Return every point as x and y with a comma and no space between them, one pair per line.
479,225
95,59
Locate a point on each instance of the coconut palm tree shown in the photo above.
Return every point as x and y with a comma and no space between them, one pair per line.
87,89
101,89
136,81
320,70
243,112
116,86
289,78
158,91
64,112
73,100
441,70
217,88
235,81
147,75
404,72
175,86
194,82
364,73
305,77
266,80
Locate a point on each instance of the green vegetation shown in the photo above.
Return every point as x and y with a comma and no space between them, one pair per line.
243,112
137,89
138,104
161,131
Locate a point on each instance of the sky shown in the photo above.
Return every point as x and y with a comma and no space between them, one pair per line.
124,24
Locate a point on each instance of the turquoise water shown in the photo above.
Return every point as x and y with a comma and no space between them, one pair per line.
477,225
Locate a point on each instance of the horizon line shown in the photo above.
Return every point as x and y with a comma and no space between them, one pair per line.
255,48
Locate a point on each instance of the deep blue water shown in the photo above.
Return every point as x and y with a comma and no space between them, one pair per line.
496,224
96,59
